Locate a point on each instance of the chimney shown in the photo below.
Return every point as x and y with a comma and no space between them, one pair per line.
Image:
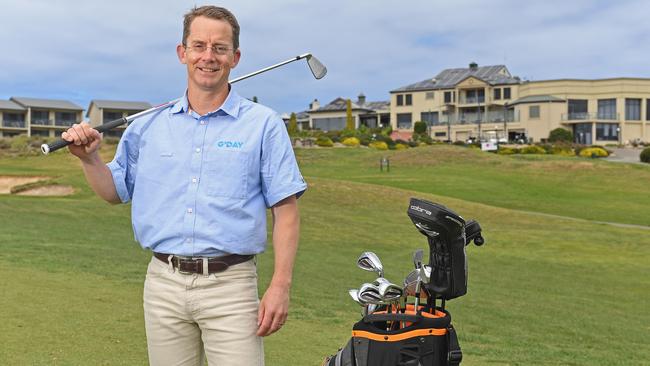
361,99
473,66
314,105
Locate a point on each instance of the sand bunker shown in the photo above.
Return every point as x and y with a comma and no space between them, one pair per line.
8,182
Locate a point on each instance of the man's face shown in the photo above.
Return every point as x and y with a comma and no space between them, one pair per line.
206,69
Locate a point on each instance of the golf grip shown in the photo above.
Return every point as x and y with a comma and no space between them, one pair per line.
60,143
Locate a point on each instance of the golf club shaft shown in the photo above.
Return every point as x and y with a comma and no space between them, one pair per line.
60,143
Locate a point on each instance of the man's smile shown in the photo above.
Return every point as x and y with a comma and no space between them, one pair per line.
207,69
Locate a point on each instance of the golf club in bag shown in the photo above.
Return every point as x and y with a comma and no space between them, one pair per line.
418,335
316,67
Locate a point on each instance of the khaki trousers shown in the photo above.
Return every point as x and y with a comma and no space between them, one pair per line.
189,317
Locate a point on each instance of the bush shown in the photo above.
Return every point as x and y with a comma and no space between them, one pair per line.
324,141
506,151
423,138
420,127
459,143
351,141
594,152
379,145
533,149
560,135
645,155
399,146
562,151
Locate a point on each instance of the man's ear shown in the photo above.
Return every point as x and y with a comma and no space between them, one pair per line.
181,53
235,59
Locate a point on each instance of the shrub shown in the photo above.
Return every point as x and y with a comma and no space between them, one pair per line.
399,146
324,141
506,151
533,149
645,155
594,152
562,151
419,127
351,141
423,138
560,134
5,143
379,145
459,143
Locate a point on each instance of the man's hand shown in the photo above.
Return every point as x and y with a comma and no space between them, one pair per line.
273,310
85,141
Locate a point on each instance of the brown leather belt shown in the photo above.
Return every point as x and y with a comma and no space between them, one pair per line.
192,265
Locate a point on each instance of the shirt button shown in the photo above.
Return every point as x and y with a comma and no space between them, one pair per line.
189,210
189,240
198,150
202,122
194,180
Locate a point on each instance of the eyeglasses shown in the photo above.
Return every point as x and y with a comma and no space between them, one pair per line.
217,49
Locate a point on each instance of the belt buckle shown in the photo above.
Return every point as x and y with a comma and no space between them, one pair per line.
178,267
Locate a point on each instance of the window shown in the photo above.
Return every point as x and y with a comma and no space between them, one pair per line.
40,117
533,111
647,109
329,124
633,109
409,99
607,131
497,94
447,97
44,133
111,116
607,109
400,99
13,119
64,118
441,134
431,118
506,93
578,109
428,95
404,120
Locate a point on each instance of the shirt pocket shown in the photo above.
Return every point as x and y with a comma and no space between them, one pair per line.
227,174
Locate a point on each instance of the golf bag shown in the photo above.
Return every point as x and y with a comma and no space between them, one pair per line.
423,339
448,234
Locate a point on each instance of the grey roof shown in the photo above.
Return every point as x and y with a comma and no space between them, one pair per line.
46,103
449,78
340,104
119,105
537,99
8,105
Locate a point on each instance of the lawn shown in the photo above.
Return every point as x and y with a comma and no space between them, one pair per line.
543,290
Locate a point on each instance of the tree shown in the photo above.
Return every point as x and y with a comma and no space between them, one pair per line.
293,124
254,99
560,135
349,125
420,127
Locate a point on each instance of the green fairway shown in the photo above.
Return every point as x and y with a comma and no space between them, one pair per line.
543,290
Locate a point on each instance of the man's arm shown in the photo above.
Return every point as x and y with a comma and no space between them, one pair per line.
275,303
85,145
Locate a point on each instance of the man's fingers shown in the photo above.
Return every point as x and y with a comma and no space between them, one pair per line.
82,138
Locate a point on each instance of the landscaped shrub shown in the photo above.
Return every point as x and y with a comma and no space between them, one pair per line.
379,145
562,151
506,151
419,127
459,143
351,141
399,146
533,149
594,152
324,141
560,134
645,155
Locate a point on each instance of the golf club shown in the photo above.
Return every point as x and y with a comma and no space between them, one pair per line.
369,261
417,262
316,67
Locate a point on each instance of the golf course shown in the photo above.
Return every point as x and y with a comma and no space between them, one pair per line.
563,279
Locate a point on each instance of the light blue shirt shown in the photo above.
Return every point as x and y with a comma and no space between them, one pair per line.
200,185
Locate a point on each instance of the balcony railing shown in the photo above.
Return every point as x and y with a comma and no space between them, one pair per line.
590,116
475,118
472,100
42,122
14,124
64,123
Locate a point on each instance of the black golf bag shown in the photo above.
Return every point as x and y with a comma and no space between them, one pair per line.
448,234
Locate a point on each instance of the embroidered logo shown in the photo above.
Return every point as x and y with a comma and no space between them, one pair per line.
230,144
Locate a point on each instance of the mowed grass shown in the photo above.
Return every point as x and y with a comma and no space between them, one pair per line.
543,290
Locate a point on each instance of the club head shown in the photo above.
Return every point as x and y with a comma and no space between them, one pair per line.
369,261
317,68
369,293
354,294
388,290
417,258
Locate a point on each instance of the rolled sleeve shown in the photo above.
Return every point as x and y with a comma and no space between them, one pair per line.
119,179
124,165
280,174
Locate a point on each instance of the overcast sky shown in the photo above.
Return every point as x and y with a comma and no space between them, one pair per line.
125,50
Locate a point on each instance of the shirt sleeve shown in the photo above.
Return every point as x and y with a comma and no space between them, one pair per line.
280,174
124,165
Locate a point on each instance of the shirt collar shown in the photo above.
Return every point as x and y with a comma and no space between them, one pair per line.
230,106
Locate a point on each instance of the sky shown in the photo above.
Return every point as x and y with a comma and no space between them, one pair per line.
125,50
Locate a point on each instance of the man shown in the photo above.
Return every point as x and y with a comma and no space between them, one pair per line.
200,175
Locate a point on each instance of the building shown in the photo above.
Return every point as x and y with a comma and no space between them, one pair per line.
37,117
333,116
489,103
103,111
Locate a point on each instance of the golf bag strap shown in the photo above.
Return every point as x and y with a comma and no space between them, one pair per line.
454,355
361,346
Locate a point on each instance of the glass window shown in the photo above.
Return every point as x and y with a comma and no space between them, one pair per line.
430,118
441,134
428,95
329,124
497,94
607,131
647,109
64,118
506,93
633,109
40,117
448,97
404,120
578,109
400,99
533,111
13,119
111,116
409,99
607,109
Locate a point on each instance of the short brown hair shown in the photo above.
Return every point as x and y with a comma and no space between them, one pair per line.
212,12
